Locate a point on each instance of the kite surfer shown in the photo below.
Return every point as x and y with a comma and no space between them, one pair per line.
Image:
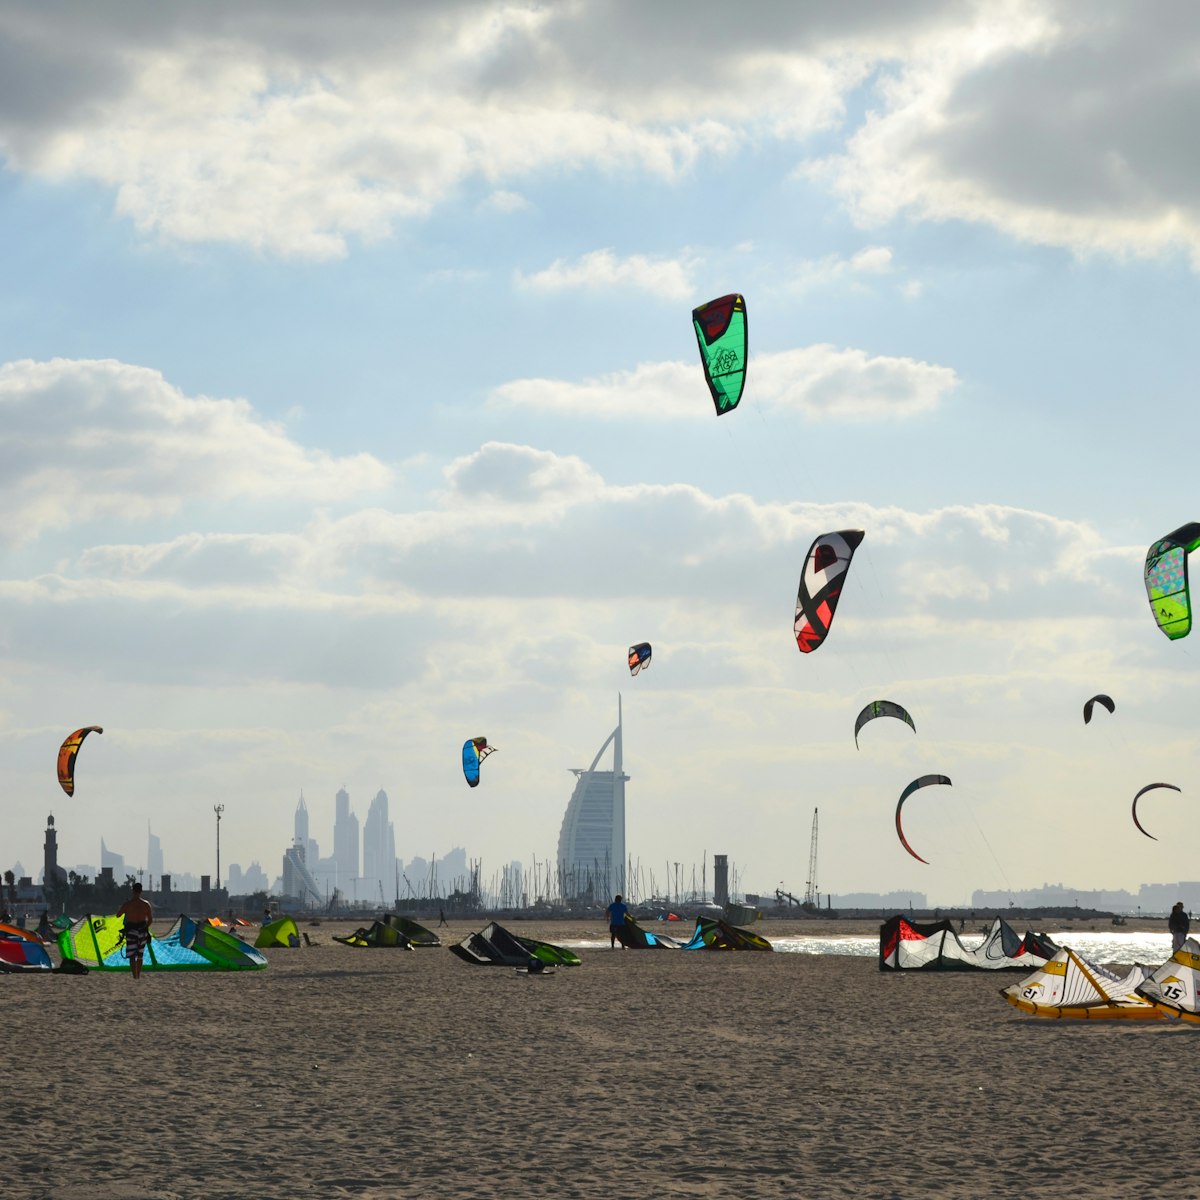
1178,924
616,921
138,914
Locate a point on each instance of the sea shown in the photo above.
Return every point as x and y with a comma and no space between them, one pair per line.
1149,949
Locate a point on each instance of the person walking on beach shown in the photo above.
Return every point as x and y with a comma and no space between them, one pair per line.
1178,924
616,921
138,914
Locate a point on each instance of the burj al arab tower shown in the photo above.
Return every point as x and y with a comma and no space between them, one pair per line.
591,844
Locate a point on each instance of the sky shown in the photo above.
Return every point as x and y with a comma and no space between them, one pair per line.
350,407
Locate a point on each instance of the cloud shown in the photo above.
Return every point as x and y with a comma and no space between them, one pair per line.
505,201
1054,124
293,129
519,522
668,278
81,440
846,384
834,269
819,381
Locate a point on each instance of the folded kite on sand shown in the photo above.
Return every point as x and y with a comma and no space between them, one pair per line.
905,945
1070,986
495,946
1174,989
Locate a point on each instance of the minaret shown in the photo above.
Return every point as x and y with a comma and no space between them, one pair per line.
51,871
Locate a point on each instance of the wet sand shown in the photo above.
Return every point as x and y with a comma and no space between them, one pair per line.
382,1073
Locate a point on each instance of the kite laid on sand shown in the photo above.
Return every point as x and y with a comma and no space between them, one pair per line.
1174,989
1070,986
907,945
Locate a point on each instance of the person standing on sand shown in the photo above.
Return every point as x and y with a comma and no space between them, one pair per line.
1178,924
138,914
616,921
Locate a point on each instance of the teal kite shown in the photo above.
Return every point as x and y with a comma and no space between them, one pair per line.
721,333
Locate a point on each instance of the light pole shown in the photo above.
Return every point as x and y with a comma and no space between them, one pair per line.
218,809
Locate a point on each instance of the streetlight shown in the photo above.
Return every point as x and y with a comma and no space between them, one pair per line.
218,809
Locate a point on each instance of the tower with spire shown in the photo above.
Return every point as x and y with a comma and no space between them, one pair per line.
591,843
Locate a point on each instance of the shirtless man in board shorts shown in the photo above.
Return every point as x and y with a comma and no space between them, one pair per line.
138,914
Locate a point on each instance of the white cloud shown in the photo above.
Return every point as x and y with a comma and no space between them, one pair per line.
819,381
665,390
88,439
847,384
1056,124
505,474
872,260
505,201
296,131
293,134
834,269
668,278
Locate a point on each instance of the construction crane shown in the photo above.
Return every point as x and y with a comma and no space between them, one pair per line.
812,895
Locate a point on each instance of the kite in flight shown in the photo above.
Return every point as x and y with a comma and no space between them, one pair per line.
1166,579
475,750
1103,701
721,333
825,567
1149,788
882,708
639,657
67,754
924,781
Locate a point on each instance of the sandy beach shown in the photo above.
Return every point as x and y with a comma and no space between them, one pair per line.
379,1073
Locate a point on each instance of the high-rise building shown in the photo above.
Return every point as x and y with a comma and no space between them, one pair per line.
312,851
379,851
110,860
154,855
298,880
591,844
345,843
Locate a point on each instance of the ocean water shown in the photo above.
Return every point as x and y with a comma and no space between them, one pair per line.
1150,949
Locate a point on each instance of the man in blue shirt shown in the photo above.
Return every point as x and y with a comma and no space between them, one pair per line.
616,921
